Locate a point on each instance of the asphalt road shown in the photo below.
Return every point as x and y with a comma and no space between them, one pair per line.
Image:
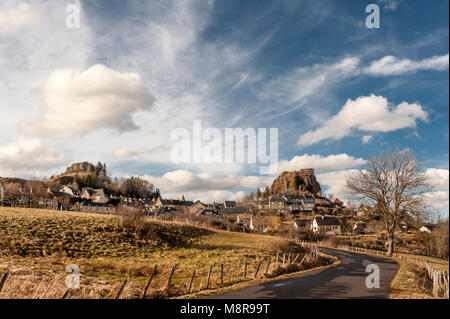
347,280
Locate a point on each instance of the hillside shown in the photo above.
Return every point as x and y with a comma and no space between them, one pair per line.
37,245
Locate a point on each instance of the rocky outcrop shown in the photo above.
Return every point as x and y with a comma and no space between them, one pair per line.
298,182
83,167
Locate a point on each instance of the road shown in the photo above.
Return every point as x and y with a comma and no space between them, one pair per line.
347,280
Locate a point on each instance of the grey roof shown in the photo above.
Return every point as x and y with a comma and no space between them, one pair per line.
302,222
327,221
234,210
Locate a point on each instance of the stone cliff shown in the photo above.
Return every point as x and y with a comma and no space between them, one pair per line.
297,183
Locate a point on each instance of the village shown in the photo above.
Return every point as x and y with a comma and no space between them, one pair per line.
292,207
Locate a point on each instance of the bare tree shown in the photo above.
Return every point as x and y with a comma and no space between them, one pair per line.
395,186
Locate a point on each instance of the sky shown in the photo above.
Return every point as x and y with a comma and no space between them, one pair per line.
115,87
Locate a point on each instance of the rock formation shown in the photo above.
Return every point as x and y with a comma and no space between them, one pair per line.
297,183
83,167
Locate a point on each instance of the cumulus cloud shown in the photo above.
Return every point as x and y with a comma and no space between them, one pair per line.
28,157
77,102
15,18
320,163
390,65
439,178
367,113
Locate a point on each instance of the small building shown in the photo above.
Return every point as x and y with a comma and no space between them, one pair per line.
196,206
326,225
427,229
263,204
69,191
229,203
303,224
359,228
338,203
276,202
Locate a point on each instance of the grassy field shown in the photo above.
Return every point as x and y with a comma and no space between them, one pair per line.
410,282
37,245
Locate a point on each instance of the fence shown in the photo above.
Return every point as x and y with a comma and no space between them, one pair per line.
440,279
215,277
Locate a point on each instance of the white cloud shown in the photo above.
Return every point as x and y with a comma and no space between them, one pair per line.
438,200
439,178
75,102
320,163
390,65
28,157
208,196
367,113
304,82
335,182
390,4
186,181
366,139
14,19
123,152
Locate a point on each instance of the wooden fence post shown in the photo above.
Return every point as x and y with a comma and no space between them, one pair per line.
149,282
221,274
209,277
169,279
3,281
245,268
276,261
121,288
66,293
257,269
268,265
190,283
284,255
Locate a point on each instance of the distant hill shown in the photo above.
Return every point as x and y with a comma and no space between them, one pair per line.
81,169
298,182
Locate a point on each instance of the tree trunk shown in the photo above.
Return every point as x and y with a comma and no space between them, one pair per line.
390,245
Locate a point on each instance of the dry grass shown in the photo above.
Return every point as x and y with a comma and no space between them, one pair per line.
37,245
411,282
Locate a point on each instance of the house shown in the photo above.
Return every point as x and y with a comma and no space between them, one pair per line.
263,204
276,202
207,212
100,208
96,195
427,229
197,205
359,228
69,191
302,224
234,210
246,222
326,225
229,203
338,203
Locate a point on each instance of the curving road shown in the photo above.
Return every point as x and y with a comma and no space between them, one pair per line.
346,280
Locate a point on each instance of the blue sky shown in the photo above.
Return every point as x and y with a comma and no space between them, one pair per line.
114,89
